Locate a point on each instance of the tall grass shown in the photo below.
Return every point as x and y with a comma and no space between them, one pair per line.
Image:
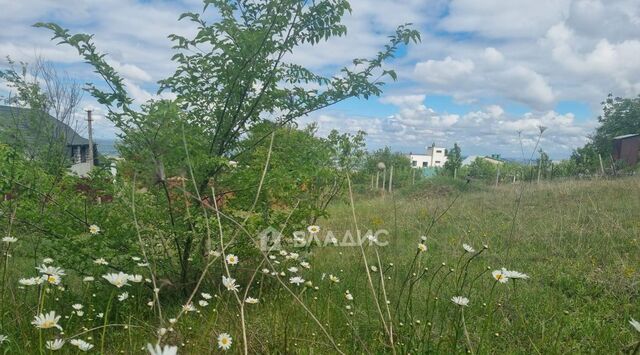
578,242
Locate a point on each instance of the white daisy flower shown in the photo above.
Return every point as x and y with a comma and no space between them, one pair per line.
292,256
460,301
3,338
422,247
32,281
158,350
305,265
313,229
136,258
468,248
224,341
89,279
50,270
334,278
54,344
265,271
9,240
516,275
634,323
500,276
293,269
100,261
231,259
348,296
283,252
251,300
135,278
53,279
272,257
188,308
230,283
374,268
81,344
93,229
123,296
47,260
46,321
206,296
79,313
297,280
142,264
77,306
118,280
203,303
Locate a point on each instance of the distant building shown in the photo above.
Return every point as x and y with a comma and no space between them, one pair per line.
493,159
32,128
626,148
435,158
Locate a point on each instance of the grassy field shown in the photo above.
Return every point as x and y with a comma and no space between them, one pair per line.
578,242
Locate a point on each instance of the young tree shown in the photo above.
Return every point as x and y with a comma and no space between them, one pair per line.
620,116
235,71
232,75
454,160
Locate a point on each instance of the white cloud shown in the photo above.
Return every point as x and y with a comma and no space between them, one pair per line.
486,131
444,71
532,52
130,71
525,85
504,19
493,56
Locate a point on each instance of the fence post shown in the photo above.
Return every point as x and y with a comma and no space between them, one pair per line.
390,179
601,165
384,179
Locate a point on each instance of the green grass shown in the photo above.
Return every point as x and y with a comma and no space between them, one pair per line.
578,241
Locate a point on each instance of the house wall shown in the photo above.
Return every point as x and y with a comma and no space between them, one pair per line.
419,160
438,156
435,158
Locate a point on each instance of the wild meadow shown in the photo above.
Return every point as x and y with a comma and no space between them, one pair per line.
224,224
456,274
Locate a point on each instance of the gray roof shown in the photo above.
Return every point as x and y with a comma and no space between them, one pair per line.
627,136
33,125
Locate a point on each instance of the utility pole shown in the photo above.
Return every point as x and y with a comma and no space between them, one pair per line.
90,129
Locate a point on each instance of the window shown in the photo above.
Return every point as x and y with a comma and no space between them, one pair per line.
425,164
439,151
414,163
437,161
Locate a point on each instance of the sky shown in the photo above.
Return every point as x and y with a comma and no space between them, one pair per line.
484,71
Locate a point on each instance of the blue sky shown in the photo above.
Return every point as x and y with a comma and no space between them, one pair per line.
484,71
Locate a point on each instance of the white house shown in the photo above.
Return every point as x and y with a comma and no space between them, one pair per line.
435,158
